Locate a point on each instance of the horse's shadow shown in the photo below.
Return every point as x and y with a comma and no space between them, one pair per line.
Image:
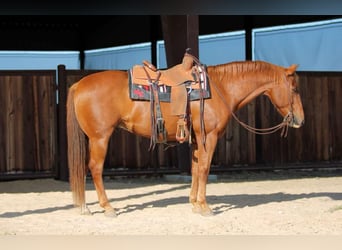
251,200
66,207
219,204
224,203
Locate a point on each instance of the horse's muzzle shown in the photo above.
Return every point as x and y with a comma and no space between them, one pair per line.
293,120
296,122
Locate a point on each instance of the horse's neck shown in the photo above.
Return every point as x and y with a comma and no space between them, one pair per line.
239,91
254,88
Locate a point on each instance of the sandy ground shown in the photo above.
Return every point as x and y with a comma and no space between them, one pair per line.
281,203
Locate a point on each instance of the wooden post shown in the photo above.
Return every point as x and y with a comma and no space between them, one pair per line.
180,33
251,138
248,41
62,172
154,21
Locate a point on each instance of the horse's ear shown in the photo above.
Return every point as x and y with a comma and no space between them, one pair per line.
291,70
187,62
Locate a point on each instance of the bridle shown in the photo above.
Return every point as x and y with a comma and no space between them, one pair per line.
284,125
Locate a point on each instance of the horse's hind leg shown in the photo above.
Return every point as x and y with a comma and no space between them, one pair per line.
98,149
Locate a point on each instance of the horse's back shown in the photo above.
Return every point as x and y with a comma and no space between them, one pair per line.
102,80
105,85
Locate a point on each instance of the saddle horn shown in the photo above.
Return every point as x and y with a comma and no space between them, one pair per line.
149,65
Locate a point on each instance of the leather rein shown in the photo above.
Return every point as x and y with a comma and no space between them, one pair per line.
284,125
200,75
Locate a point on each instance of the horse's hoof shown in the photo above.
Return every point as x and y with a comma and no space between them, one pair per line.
110,213
85,211
204,211
207,212
196,209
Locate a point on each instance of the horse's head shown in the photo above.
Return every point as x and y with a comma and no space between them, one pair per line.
285,97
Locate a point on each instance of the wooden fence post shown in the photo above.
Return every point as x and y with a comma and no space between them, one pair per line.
180,33
62,171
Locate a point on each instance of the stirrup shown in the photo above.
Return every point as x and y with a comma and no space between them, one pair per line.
182,133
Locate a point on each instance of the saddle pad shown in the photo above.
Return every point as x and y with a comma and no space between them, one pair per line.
142,92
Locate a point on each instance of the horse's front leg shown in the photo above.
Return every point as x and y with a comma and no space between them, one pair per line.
98,149
200,169
194,174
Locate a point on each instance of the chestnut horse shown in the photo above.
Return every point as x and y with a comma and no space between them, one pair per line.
100,102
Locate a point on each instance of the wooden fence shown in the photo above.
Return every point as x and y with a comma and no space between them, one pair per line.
28,128
33,136
318,141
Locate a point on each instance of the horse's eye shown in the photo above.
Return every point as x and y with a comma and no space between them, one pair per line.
295,90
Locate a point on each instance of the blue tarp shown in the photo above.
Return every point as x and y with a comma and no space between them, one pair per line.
123,57
314,46
38,60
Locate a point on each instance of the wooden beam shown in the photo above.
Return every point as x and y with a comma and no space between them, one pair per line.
180,33
248,25
62,171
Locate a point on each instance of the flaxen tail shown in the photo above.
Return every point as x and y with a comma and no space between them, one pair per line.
77,153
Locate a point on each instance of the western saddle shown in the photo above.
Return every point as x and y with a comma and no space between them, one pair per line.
176,84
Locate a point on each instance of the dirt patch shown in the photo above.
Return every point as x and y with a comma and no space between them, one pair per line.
281,203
